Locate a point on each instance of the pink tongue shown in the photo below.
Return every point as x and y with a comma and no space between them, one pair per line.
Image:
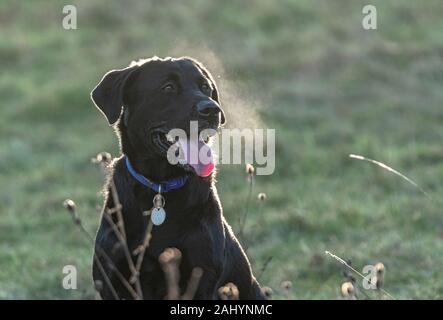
198,155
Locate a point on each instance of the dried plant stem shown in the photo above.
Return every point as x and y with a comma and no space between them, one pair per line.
140,251
193,284
119,228
118,208
79,223
128,257
352,269
388,168
70,206
106,278
265,265
104,159
245,213
170,261
260,211
360,289
119,275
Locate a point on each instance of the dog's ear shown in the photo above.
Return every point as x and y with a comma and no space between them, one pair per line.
108,94
215,93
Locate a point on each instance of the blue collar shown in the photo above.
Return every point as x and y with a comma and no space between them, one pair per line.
164,186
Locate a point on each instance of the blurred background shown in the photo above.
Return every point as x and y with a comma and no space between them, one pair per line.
306,68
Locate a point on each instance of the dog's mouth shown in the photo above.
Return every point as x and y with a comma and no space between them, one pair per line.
160,141
193,154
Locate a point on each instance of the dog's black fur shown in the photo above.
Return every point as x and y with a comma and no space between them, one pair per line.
148,97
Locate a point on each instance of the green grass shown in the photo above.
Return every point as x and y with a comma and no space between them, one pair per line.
305,68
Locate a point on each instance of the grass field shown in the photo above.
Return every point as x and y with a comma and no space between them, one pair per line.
305,68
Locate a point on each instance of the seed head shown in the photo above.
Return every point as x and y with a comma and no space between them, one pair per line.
267,292
380,268
228,292
98,285
380,277
69,204
250,169
223,293
286,285
102,157
347,290
71,207
170,255
262,196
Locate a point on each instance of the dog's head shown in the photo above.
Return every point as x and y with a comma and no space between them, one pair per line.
152,97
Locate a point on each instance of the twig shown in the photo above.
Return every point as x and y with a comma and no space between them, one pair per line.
133,279
71,207
170,260
193,284
118,208
106,278
358,273
104,159
388,168
265,265
250,171
357,286
140,251
119,275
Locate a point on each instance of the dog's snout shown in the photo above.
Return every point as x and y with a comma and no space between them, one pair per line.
208,108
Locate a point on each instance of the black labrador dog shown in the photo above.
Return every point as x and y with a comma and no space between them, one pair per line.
145,101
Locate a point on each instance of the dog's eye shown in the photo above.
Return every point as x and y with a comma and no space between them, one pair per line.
168,87
205,88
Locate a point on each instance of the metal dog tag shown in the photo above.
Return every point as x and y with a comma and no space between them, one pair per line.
158,216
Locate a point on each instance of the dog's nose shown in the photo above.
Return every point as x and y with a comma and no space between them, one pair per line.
208,108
